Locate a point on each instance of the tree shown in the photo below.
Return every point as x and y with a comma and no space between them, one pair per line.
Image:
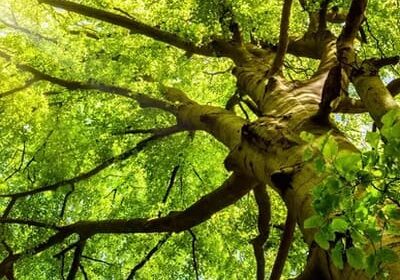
83,190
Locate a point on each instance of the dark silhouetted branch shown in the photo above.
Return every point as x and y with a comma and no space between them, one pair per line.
76,261
147,257
171,183
27,84
284,246
64,204
394,87
86,175
195,264
264,219
96,260
9,207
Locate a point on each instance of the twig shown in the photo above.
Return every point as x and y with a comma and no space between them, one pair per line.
96,260
20,163
171,183
27,84
66,200
148,256
86,175
195,265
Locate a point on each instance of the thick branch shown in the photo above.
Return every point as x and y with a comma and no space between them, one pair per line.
345,42
132,25
283,38
353,22
231,190
394,87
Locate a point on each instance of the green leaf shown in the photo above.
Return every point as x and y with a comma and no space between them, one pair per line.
371,265
372,138
330,149
314,221
392,211
387,255
307,136
348,164
339,225
337,255
321,240
332,185
320,165
390,117
356,257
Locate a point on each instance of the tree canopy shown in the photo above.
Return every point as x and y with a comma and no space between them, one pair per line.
199,139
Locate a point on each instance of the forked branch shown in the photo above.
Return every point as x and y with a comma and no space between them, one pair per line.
231,190
133,25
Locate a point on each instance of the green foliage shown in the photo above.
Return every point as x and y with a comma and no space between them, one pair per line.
49,133
360,191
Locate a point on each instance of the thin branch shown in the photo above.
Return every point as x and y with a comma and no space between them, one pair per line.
64,205
243,111
20,163
76,260
10,205
65,250
283,38
264,219
62,260
171,183
96,260
123,12
195,265
27,84
133,25
232,190
148,256
27,31
86,175
284,246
